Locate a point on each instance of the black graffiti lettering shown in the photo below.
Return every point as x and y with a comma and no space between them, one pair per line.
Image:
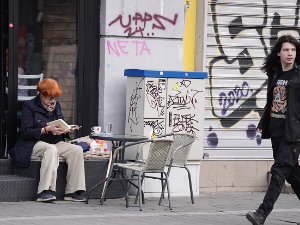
186,101
185,83
154,98
158,127
135,96
184,123
245,61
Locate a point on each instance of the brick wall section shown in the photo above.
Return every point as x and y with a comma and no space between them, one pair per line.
60,54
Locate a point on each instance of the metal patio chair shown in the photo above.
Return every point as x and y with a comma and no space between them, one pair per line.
156,161
178,158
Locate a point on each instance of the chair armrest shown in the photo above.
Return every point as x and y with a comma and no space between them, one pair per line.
128,145
140,147
165,135
191,141
182,146
139,150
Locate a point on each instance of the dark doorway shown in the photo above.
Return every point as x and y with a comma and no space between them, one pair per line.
3,83
59,38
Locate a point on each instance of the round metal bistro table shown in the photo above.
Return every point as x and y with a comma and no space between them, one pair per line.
117,140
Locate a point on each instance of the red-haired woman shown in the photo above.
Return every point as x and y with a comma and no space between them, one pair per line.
37,138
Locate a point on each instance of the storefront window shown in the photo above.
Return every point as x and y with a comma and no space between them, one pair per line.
48,45
56,38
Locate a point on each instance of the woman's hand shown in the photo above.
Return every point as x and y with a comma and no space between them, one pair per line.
55,129
259,130
72,129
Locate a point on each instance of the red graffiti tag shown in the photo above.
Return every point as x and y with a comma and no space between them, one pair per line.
139,23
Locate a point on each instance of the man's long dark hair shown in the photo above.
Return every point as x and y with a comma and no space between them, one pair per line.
273,60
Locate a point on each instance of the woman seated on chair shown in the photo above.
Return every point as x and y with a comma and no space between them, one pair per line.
37,138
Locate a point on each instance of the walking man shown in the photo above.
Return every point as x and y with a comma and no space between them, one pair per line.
281,122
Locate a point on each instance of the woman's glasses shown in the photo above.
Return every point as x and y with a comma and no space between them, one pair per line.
53,99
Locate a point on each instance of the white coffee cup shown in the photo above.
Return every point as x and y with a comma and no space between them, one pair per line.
96,129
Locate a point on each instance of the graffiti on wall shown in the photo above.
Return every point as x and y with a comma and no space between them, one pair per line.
133,105
182,105
241,43
157,126
232,97
182,102
185,123
121,47
154,96
141,24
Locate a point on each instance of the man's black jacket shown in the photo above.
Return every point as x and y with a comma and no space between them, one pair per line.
292,128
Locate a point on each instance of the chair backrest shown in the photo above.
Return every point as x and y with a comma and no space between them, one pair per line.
29,87
182,147
159,152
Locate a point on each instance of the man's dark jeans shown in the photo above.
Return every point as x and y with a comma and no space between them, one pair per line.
285,167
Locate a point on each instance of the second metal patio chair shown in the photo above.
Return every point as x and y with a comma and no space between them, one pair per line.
180,150
178,158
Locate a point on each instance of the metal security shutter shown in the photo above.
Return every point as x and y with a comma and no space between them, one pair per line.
239,36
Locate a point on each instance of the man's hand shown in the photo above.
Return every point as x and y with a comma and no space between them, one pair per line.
259,130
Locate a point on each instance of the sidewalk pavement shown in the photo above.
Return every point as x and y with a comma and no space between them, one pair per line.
209,209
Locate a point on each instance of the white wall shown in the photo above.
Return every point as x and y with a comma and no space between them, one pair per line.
135,34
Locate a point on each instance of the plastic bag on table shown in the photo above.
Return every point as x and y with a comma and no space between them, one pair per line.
99,147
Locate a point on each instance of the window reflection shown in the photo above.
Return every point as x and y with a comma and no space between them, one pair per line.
48,45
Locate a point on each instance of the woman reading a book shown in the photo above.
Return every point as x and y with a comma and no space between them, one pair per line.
47,141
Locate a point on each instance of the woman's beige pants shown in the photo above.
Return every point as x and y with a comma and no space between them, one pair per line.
73,154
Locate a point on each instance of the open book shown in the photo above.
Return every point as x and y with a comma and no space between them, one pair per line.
61,123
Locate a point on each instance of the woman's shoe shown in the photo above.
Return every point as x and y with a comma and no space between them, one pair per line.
45,196
76,197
